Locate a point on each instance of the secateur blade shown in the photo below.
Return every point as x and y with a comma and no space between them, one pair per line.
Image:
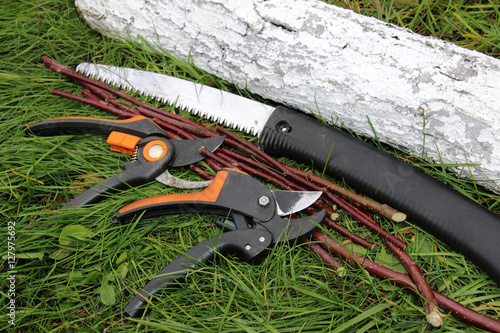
188,151
289,202
167,179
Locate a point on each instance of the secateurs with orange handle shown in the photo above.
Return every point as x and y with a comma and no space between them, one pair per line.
153,152
250,215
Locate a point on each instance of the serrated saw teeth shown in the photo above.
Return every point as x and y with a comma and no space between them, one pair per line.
204,101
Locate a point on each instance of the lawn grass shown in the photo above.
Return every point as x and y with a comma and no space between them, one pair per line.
75,271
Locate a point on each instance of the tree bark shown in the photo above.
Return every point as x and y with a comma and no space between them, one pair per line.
430,97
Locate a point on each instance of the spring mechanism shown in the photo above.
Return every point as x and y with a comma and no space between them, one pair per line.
135,153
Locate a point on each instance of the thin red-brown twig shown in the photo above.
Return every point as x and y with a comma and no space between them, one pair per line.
201,172
359,215
372,205
326,257
434,316
87,93
100,104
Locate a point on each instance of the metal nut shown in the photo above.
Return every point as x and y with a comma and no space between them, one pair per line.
264,201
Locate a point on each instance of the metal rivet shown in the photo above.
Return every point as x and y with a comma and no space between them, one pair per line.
264,201
248,247
283,127
262,239
155,151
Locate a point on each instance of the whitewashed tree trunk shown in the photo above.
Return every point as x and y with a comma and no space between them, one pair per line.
425,95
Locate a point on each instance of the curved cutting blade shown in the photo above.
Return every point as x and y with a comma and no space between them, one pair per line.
167,179
188,151
289,202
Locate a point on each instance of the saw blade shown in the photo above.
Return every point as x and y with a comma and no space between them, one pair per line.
219,106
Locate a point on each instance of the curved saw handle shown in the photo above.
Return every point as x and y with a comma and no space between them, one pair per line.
466,226
249,245
138,126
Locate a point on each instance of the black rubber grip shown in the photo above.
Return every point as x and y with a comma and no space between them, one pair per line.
464,225
134,174
245,244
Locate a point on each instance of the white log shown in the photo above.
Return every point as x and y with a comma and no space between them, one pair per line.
330,61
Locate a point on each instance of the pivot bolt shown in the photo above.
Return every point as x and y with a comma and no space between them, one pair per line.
283,127
155,151
264,201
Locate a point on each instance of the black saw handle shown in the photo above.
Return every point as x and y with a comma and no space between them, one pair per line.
466,226
249,245
139,126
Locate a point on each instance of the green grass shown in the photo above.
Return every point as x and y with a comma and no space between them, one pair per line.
471,24
75,270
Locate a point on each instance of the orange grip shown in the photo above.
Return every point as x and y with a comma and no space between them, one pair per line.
209,194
